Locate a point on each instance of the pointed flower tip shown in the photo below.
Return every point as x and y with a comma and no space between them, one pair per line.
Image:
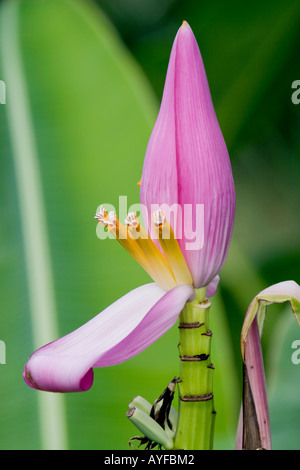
185,28
184,25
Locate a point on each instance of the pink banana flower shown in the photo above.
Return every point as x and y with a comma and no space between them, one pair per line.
186,165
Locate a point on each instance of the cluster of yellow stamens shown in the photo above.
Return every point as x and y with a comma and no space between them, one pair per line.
167,267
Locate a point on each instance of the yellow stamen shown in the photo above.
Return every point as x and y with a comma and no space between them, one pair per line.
171,248
143,250
158,263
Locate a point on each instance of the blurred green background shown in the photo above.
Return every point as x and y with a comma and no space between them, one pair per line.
84,81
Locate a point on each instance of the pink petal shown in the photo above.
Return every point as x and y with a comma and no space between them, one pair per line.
159,179
212,287
187,162
121,331
239,434
203,163
256,376
252,353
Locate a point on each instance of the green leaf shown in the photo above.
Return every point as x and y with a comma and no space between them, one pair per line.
265,58
73,134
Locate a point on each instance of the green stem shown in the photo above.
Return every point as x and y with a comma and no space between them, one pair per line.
196,406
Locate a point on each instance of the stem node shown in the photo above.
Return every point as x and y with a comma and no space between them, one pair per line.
196,401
